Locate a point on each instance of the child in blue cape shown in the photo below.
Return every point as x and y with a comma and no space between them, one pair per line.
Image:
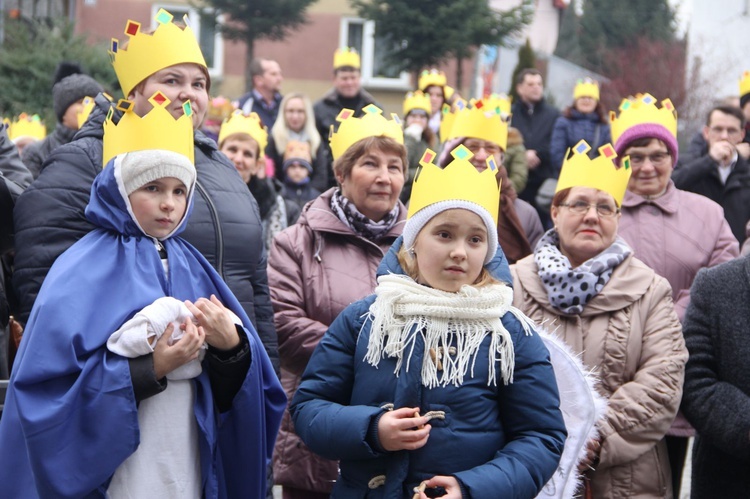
83,421
436,386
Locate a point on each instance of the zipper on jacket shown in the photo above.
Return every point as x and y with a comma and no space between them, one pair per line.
217,229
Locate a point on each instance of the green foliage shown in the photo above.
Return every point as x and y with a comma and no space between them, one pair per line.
526,60
568,43
424,33
29,56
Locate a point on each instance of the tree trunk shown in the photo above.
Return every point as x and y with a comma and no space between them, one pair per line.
249,56
460,75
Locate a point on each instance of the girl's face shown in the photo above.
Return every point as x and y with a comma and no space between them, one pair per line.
159,206
296,172
436,98
294,114
244,155
418,117
450,250
586,105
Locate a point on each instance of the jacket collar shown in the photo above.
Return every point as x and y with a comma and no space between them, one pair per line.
667,202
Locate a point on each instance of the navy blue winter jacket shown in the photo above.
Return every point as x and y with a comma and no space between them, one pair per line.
569,131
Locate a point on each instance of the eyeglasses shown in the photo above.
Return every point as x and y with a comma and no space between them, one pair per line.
656,158
582,207
719,130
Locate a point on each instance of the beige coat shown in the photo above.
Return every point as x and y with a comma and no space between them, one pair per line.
630,335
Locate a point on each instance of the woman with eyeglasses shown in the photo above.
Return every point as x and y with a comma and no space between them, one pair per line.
584,284
674,232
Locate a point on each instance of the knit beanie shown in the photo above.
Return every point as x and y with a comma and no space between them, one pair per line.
652,130
72,89
421,218
141,167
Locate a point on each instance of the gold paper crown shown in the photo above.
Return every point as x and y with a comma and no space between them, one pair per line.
459,180
158,129
145,54
250,125
26,126
417,100
642,109
219,109
578,170
430,77
297,150
745,84
85,112
479,121
448,117
346,57
586,88
371,124
501,102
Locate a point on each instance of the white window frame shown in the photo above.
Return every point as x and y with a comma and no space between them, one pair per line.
194,19
403,82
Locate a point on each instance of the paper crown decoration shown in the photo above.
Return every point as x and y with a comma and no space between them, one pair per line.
586,88
26,125
642,109
447,117
158,129
145,54
219,109
745,84
346,57
371,124
85,112
297,150
579,170
430,77
459,180
250,125
501,102
417,100
480,121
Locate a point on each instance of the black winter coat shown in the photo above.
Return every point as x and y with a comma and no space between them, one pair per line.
35,153
536,124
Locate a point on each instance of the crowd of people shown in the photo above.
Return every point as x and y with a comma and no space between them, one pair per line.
480,298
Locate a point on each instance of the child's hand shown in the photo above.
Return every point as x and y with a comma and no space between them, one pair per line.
449,483
216,322
168,357
403,429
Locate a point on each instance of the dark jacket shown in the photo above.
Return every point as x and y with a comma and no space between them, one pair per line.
717,380
569,131
276,212
535,124
249,104
299,194
225,224
326,110
702,177
498,441
35,153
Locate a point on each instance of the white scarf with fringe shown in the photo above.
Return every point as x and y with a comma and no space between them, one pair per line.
404,309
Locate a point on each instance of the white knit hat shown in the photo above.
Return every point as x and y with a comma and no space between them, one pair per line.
417,222
138,168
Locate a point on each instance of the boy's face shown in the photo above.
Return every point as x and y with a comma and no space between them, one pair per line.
159,206
244,155
296,173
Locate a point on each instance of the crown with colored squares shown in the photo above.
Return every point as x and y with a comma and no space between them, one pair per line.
479,120
430,77
346,57
586,88
745,84
158,129
417,100
85,112
144,54
579,170
459,180
26,126
642,109
250,125
371,124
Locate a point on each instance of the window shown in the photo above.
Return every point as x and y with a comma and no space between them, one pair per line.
203,22
361,35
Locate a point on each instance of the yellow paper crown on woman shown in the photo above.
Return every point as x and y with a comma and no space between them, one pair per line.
371,124
158,129
250,125
642,109
579,170
482,119
459,180
745,84
346,57
430,77
145,54
417,100
586,88
26,125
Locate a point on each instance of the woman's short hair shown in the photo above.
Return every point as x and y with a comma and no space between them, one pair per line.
343,166
561,196
242,137
599,110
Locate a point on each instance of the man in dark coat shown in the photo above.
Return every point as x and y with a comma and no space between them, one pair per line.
265,97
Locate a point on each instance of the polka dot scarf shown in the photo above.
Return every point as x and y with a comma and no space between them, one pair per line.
569,289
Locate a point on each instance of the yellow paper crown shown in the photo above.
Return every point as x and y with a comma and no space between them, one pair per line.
158,129
219,109
26,126
586,88
371,124
346,57
448,117
145,54
745,84
85,112
578,170
501,102
250,125
480,121
430,77
642,109
459,180
417,100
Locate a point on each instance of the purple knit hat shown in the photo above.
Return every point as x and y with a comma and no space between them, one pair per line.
653,130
